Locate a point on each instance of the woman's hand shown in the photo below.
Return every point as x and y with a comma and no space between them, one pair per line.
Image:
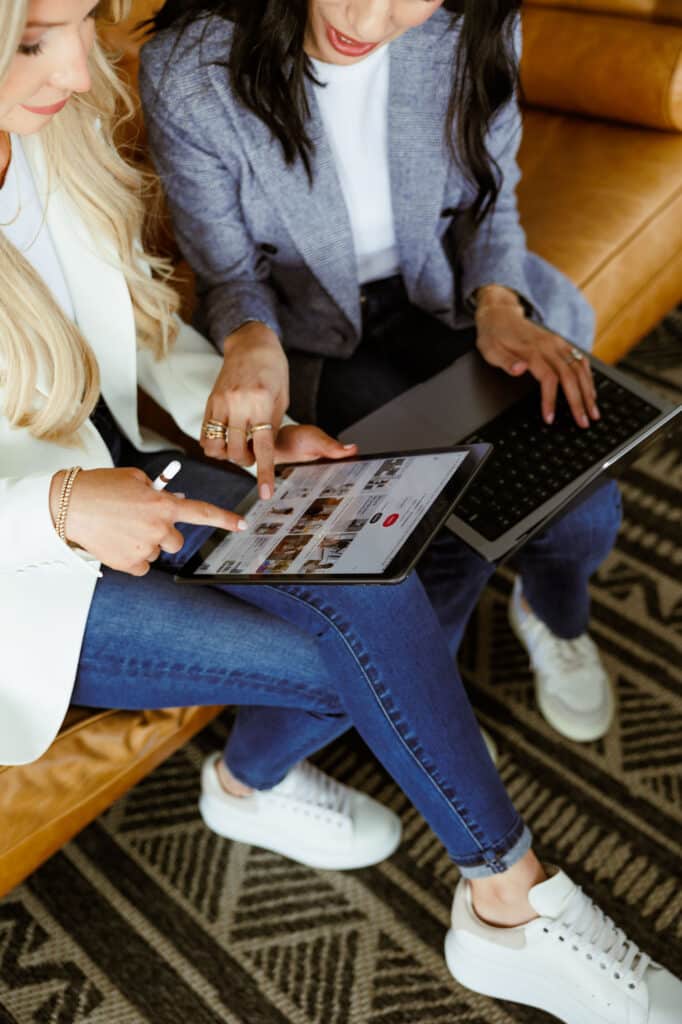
251,388
307,443
506,338
116,516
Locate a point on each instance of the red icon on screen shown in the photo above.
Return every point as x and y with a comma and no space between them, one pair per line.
390,520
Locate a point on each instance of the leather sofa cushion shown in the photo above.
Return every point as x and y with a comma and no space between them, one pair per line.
657,10
97,756
610,67
603,203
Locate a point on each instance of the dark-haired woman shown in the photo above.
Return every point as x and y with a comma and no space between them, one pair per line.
293,201
341,200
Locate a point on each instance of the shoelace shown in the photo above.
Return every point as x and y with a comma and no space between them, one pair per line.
311,786
572,655
590,929
567,656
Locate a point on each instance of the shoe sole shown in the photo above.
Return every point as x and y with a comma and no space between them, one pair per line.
490,744
499,980
311,857
576,735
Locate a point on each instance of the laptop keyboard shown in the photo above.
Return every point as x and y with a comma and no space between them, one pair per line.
532,461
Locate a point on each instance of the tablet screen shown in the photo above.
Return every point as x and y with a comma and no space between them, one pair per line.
346,518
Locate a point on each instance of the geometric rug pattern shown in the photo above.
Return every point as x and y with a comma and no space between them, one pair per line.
147,918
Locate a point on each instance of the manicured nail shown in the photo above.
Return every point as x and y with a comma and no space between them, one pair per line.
549,418
265,492
584,422
596,415
517,367
242,525
347,446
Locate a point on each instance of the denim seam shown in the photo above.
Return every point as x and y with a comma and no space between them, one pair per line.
159,668
491,858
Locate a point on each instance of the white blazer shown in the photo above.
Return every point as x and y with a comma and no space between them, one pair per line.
45,587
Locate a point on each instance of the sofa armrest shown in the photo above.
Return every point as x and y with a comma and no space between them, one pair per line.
617,68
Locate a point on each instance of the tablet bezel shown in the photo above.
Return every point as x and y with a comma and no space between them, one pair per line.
403,561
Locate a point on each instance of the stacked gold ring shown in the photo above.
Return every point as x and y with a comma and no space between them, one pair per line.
214,430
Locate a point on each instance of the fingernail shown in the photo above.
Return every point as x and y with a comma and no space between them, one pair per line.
549,418
517,367
179,494
265,492
595,413
584,422
242,525
349,446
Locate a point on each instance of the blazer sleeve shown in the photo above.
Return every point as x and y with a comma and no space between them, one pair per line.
203,196
29,540
497,254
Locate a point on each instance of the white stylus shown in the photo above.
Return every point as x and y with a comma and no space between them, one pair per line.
165,477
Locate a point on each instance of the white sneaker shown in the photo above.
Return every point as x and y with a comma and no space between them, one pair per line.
490,744
308,817
571,961
572,688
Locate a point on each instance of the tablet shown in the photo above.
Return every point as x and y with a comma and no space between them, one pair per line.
365,519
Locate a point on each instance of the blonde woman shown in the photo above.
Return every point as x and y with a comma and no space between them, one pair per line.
88,617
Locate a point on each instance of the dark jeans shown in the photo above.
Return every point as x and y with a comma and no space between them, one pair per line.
401,346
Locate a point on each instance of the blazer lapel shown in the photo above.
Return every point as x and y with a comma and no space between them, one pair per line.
99,292
315,216
419,87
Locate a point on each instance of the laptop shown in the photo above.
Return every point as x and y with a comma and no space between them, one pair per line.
535,472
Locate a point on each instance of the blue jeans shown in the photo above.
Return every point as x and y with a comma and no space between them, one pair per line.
304,664
555,568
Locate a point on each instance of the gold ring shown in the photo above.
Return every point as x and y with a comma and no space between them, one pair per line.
574,355
256,427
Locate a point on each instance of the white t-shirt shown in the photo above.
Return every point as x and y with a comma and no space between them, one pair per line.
22,221
354,108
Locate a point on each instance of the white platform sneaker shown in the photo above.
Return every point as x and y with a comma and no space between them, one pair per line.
571,961
308,817
572,688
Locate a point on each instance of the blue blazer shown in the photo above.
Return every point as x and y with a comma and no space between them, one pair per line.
267,246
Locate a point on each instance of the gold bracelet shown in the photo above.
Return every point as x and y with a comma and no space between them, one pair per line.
64,499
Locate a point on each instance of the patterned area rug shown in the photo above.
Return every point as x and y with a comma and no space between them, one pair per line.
148,917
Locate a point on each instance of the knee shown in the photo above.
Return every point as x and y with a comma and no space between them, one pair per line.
588,531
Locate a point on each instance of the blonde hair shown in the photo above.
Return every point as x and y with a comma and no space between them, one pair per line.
111,196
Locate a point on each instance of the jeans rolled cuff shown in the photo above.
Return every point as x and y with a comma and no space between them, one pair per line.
501,862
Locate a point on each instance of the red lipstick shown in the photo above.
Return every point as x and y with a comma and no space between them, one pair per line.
347,46
54,109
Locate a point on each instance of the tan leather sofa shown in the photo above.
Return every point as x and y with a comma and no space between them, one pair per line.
601,194
601,197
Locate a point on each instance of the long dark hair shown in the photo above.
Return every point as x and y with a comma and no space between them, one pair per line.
268,69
